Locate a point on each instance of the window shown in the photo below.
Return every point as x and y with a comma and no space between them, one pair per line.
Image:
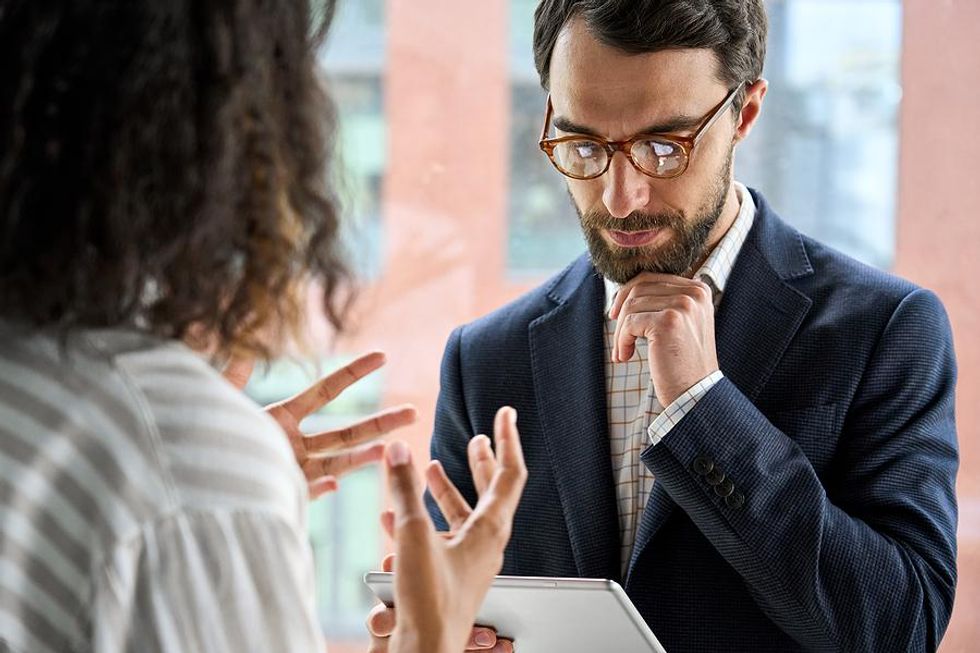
543,233
354,60
440,236
826,152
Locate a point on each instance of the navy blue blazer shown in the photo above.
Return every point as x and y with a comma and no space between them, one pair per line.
832,436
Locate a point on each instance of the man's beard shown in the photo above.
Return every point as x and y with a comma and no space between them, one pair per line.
687,246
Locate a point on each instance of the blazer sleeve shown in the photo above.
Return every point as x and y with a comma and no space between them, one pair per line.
874,567
452,430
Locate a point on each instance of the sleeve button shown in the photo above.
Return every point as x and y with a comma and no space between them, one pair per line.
735,501
725,488
703,465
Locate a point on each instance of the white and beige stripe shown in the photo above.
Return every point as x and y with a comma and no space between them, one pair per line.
145,504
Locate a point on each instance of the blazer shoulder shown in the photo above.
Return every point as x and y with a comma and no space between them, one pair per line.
840,274
865,302
816,268
845,292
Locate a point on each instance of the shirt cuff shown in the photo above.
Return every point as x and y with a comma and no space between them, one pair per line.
681,406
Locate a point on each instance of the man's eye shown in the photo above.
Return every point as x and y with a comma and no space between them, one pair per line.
586,150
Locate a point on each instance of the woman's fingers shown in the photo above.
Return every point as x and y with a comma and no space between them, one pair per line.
339,464
327,388
490,525
452,504
322,486
510,474
238,371
412,527
510,454
482,639
366,430
381,621
388,525
388,564
482,462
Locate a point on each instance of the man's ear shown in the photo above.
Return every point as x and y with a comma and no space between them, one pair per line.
751,108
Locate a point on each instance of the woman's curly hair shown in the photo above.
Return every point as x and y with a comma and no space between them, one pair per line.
163,167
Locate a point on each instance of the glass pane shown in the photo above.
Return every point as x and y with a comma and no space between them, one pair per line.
826,151
353,61
419,93
343,526
543,232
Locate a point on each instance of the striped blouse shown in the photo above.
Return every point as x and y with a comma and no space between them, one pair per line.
145,505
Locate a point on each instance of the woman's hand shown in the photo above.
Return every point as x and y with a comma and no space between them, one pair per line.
324,457
440,582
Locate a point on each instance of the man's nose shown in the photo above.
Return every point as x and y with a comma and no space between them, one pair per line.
627,189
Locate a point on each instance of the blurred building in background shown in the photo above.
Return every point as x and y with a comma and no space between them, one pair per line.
452,209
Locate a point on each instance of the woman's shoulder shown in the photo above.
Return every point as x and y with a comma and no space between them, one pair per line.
140,427
216,448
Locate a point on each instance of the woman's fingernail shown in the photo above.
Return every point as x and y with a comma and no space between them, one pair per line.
398,454
484,638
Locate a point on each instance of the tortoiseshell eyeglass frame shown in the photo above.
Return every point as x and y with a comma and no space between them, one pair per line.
686,143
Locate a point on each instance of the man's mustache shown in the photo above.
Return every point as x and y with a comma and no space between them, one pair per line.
632,222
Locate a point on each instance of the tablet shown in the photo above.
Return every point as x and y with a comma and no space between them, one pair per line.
545,615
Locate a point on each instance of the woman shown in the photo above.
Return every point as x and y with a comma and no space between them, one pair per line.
161,183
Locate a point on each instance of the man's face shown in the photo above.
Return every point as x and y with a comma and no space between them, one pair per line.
632,222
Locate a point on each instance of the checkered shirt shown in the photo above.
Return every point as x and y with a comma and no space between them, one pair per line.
636,418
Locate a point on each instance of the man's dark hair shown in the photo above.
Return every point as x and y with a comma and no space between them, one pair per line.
163,166
734,29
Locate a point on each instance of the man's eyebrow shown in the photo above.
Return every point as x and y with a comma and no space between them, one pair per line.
676,124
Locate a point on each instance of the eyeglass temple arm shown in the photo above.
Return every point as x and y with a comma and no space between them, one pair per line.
719,112
547,119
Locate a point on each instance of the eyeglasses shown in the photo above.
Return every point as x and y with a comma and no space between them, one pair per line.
663,156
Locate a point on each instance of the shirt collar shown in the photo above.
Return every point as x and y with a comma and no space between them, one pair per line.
718,266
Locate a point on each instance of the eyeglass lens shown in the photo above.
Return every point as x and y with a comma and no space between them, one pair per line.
587,158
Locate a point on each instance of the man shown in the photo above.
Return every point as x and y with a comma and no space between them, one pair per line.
751,432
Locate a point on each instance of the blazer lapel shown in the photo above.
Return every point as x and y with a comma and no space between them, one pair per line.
761,312
759,315
569,382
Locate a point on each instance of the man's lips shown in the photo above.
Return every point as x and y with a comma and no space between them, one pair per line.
633,238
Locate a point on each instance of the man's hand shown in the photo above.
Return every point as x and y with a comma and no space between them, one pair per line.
677,317
324,457
441,580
